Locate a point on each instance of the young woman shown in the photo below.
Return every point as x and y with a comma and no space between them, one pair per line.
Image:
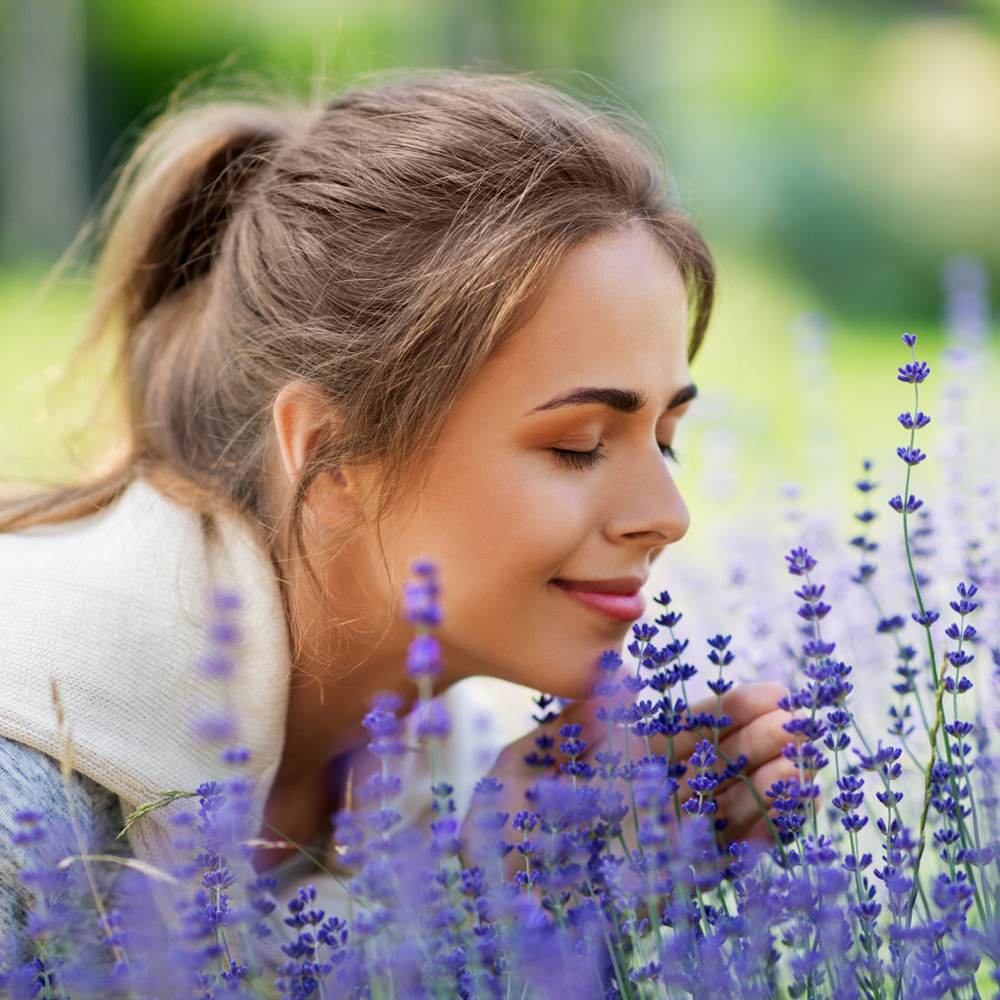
447,317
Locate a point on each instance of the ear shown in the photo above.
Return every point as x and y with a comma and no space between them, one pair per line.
303,417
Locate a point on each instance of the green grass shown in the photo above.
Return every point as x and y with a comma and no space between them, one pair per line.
47,403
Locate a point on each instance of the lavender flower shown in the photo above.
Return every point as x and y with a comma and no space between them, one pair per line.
611,877
421,604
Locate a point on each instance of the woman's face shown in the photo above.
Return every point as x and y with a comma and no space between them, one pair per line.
549,492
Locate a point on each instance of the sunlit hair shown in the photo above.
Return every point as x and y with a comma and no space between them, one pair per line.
380,249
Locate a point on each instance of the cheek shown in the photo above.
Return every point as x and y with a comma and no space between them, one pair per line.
526,517
493,524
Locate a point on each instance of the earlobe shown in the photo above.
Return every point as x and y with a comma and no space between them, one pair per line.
331,499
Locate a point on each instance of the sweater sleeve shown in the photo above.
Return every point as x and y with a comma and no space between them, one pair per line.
31,783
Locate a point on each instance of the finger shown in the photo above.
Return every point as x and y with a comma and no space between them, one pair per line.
742,704
762,832
745,706
754,729
737,803
760,741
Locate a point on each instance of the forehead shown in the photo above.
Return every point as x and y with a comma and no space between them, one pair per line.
615,312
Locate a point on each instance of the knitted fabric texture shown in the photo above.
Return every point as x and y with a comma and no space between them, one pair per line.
114,612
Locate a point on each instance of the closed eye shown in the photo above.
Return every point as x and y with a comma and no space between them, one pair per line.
667,451
579,459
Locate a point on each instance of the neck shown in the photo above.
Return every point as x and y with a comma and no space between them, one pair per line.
339,664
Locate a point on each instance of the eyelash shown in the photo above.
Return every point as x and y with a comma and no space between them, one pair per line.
588,459
580,459
667,451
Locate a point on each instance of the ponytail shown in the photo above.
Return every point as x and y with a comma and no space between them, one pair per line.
161,231
174,200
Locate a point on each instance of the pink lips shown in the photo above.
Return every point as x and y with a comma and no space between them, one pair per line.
618,599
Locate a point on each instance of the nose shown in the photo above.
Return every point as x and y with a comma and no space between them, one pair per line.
649,508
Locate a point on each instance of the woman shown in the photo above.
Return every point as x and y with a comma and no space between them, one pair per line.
445,317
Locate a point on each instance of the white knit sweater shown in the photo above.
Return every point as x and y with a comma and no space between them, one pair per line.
113,612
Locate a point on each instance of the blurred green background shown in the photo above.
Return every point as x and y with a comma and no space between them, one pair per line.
836,156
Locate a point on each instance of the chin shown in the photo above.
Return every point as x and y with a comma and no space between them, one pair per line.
575,683
573,675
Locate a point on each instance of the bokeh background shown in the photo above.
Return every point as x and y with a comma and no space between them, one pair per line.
843,160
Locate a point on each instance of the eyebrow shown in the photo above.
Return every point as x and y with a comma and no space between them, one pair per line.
622,400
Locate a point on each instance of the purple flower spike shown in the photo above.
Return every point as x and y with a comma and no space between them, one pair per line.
234,755
223,633
33,829
909,339
800,562
645,632
960,659
227,601
216,727
610,661
423,657
912,504
433,721
383,726
964,607
216,665
704,755
912,456
953,632
814,612
811,593
914,372
886,626
420,596
882,757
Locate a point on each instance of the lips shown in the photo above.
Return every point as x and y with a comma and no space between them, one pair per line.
618,599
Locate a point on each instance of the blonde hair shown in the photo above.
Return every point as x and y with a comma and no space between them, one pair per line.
380,249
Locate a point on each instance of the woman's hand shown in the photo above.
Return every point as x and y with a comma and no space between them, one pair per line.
754,732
